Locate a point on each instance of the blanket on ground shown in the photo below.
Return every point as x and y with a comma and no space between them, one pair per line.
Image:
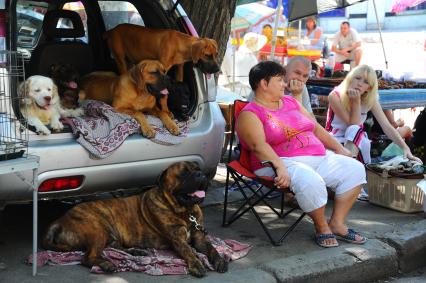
102,130
153,262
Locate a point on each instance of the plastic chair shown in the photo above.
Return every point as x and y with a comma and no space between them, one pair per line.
254,189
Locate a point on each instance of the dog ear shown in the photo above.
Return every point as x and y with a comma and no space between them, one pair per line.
197,49
136,74
161,179
212,44
24,92
54,89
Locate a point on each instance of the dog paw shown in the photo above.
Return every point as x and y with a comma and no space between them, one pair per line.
107,266
136,252
196,268
220,265
77,112
43,131
57,126
148,133
173,129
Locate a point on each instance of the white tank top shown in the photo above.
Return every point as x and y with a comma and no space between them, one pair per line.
336,126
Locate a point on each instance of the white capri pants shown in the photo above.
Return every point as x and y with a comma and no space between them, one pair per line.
310,176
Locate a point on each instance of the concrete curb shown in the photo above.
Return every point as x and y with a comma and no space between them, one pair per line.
410,244
355,263
240,276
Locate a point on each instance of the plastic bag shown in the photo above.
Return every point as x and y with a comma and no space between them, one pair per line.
392,150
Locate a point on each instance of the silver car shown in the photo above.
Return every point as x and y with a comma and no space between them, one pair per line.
138,161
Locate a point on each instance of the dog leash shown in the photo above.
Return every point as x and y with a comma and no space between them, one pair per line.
196,225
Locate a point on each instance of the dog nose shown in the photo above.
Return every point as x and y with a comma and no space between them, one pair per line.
47,98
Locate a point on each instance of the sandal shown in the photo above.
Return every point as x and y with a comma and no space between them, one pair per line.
350,237
320,240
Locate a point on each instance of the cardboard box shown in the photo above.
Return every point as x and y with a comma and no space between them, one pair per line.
395,193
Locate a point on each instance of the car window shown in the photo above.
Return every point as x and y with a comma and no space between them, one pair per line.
79,8
30,16
119,12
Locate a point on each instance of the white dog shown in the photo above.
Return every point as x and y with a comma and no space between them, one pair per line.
40,104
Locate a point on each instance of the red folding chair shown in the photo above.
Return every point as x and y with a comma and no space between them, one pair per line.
242,179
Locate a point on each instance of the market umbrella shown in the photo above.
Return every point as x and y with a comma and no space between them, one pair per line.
400,5
303,8
248,15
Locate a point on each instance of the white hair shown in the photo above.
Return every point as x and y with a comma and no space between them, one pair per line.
305,61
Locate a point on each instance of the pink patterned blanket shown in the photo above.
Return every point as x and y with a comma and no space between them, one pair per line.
102,130
154,262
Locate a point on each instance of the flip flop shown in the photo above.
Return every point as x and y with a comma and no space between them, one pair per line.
320,240
350,237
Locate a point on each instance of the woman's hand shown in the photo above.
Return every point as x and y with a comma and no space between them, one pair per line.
344,151
354,95
409,155
282,180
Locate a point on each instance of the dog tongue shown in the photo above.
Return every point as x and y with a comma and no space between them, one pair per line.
209,76
164,91
72,85
198,194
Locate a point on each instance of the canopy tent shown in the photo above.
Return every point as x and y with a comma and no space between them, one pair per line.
249,15
304,8
298,9
400,5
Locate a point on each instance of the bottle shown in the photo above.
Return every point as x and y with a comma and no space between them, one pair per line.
329,66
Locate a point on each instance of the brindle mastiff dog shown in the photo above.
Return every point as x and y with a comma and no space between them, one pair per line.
158,218
135,43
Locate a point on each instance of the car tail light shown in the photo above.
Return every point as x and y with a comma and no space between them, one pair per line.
61,184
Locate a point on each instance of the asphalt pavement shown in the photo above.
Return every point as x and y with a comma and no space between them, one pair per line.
397,244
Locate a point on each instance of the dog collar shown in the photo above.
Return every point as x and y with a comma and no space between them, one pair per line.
196,225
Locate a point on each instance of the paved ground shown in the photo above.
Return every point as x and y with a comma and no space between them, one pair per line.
397,241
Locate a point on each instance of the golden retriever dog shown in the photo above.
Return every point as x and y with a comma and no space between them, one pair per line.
40,105
170,47
142,89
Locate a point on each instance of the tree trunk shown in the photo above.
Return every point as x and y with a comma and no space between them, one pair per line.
212,19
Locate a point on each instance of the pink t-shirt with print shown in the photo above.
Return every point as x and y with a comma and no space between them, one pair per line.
287,131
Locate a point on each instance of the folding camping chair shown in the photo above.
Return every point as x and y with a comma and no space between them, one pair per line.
259,193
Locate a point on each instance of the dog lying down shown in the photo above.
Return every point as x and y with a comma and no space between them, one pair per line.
40,104
166,216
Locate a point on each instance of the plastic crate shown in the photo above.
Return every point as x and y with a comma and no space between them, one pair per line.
396,193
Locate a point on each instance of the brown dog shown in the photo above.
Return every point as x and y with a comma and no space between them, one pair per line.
142,89
170,47
159,218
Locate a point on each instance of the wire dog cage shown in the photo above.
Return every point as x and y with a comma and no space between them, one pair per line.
13,127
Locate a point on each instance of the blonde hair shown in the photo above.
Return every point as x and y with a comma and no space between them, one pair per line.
367,100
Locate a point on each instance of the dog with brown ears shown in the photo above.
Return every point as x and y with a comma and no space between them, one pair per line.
142,89
167,216
170,47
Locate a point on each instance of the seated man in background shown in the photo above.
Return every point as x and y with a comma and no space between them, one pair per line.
297,74
347,45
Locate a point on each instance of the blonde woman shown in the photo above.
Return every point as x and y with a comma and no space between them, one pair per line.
348,106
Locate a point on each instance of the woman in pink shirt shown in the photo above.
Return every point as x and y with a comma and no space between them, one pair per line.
307,159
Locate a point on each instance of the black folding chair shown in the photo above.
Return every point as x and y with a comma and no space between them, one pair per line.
239,176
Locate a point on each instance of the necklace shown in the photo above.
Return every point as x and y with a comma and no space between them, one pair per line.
267,104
